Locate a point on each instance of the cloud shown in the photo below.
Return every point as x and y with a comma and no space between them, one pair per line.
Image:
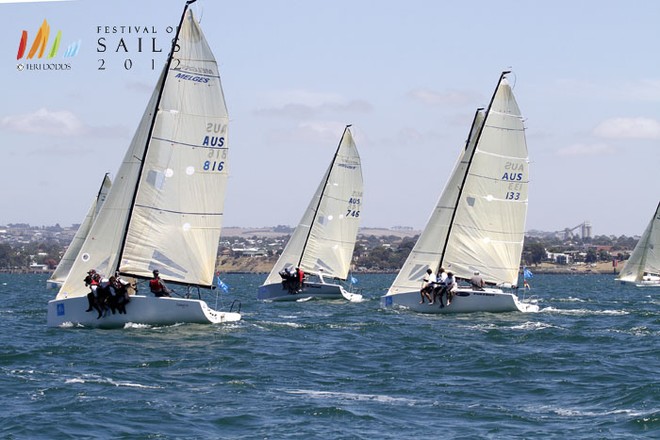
642,90
61,123
628,128
432,97
305,103
638,90
310,132
585,150
303,110
43,121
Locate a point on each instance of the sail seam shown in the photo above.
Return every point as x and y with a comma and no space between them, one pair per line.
152,208
188,145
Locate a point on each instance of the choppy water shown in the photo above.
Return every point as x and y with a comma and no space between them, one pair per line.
586,366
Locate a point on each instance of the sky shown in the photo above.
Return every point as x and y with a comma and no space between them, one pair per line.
407,74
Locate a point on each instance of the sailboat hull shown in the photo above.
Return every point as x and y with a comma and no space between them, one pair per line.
140,310
464,301
643,283
276,292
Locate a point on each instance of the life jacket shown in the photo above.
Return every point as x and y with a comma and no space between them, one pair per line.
155,286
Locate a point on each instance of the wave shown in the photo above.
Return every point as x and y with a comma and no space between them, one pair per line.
352,396
584,312
104,380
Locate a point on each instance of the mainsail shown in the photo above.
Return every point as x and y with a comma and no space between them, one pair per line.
325,237
165,208
645,258
66,263
479,221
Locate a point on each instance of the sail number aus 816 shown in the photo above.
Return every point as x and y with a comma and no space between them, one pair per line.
213,165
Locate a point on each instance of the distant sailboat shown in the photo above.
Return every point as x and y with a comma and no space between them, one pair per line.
479,222
323,242
64,266
164,211
643,267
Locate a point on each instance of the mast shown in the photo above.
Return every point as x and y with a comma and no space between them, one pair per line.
467,171
325,184
151,127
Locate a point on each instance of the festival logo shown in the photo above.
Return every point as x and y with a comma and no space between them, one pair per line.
39,49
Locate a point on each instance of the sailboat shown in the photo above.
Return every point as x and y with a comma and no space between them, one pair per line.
478,223
66,262
323,242
643,267
165,208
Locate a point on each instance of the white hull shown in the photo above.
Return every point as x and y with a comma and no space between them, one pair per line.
645,283
464,301
140,310
275,292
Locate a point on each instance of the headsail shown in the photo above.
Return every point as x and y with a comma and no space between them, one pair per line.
325,237
427,252
66,263
645,258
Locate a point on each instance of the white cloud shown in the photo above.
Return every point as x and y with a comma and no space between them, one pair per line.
44,121
585,150
432,97
637,90
304,110
56,123
628,128
642,90
310,132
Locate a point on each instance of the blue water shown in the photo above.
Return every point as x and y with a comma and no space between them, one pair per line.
586,366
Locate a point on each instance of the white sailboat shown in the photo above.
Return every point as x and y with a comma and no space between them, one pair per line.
643,267
165,208
478,223
323,242
66,262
